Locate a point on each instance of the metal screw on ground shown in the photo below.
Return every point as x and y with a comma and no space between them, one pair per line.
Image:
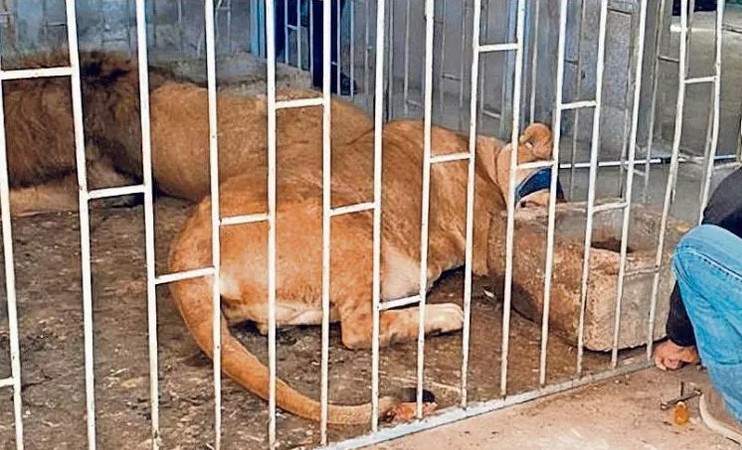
683,397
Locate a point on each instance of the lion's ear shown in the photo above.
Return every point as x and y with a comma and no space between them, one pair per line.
537,137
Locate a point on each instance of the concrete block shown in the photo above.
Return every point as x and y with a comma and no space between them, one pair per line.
600,306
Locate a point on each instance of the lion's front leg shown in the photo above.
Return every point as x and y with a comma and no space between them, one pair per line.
53,196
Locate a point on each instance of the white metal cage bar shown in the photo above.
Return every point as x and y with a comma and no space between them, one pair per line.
209,17
327,211
299,32
352,52
425,202
272,144
512,180
595,146
116,191
46,72
299,103
14,380
338,64
638,67
87,295
376,279
474,73
442,75
557,130
147,189
660,14
715,109
673,172
185,275
578,94
464,15
406,78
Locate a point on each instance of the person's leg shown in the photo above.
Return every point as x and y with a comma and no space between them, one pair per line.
708,267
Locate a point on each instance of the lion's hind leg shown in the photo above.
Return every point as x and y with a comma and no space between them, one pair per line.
396,325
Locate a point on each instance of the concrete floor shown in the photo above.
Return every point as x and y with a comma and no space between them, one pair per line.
620,414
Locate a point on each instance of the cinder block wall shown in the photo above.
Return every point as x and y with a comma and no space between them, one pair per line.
112,27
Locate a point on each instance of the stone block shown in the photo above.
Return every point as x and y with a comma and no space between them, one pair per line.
600,305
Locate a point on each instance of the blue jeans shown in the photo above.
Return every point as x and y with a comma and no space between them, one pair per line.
708,267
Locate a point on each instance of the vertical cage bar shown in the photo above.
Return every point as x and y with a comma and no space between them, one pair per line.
688,47
10,285
149,234
464,14
442,58
285,30
506,88
338,65
512,180
485,63
638,70
578,95
271,97
366,51
181,30
87,294
661,4
326,210
557,130
672,175
594,149
711,156
376,281
299,32
352,48
424,226
310,41
534,59
210,37
229,26
154,23
390,75
466,332
406,81
128,26
627,114
549,263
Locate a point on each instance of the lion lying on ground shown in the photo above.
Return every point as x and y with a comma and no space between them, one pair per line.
244,271
40,133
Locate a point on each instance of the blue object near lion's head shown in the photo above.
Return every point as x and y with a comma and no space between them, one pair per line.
537,181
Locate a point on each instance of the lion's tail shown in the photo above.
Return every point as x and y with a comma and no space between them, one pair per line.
193,299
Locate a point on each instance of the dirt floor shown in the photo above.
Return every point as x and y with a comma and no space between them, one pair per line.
49,296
